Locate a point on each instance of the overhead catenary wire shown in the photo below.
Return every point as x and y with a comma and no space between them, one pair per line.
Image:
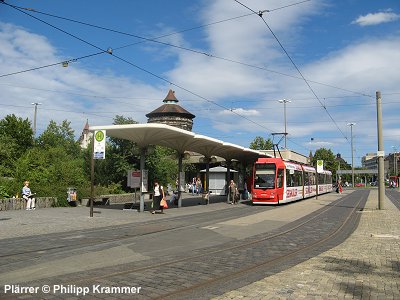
142,69
260,14
155,40
161,78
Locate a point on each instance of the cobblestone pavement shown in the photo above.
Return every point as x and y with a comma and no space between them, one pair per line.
21,223
365,266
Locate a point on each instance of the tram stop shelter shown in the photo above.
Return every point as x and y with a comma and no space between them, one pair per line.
180,140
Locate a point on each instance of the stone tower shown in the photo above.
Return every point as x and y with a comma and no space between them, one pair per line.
170,113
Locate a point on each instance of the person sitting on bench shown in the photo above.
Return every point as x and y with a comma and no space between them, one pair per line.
28,196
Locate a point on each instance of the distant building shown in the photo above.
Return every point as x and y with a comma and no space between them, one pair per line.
369,161
342,164
288,155
391,163
86,135
170,113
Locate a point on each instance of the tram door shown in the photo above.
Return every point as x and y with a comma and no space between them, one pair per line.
280,184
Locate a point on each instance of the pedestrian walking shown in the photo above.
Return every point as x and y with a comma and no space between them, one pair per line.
233,192
28,196
339,188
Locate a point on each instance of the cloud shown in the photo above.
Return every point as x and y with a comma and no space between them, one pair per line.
74,93
241,111
376,18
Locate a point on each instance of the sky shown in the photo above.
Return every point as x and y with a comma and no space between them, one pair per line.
228,66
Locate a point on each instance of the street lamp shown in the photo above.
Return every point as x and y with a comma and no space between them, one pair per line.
34,116
395,166
284,101
394,160
352,152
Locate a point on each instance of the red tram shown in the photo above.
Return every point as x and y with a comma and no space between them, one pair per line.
277,181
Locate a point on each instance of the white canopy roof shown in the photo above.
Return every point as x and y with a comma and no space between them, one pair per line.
181,140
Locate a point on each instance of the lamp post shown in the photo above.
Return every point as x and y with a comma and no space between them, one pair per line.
34,116
284,101
352,152
395,166
394,160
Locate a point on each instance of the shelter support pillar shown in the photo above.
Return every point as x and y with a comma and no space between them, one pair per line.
244,185
208,180
142,160
228,178
179,180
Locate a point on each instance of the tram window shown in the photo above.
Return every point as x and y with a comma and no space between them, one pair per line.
306,179
312,178
264,176
321,178
294,178
279,183
299,177
290,178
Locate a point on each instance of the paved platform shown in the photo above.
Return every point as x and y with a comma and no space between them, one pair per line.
22,223
365,266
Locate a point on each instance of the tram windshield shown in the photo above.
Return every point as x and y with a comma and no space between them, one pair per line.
264,177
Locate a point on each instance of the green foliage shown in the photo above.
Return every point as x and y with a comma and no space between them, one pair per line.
259,143
50,171
8,155
3,192
59,135
16,136
162,166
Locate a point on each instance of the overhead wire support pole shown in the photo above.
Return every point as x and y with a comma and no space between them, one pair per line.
352,152
34,116
381,153
284,101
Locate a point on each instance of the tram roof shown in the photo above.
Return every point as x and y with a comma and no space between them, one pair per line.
181,140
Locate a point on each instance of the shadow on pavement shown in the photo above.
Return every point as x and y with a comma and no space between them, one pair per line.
187,201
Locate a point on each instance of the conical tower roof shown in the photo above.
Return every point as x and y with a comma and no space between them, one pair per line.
171,113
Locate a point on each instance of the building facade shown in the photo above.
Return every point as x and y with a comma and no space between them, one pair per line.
369,161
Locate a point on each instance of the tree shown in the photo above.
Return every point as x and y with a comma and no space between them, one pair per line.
162,165
8,155
259,143
50,170
59,135
16,136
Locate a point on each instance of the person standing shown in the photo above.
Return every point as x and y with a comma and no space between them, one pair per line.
199,186
28,196
233,192
193,186
158,194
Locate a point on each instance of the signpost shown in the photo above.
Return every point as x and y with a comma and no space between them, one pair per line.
98,152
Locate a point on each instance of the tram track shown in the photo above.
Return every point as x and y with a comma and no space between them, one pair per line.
213,267
394,197
271,261
132,230
218,266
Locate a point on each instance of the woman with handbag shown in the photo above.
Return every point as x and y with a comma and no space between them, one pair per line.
158,196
